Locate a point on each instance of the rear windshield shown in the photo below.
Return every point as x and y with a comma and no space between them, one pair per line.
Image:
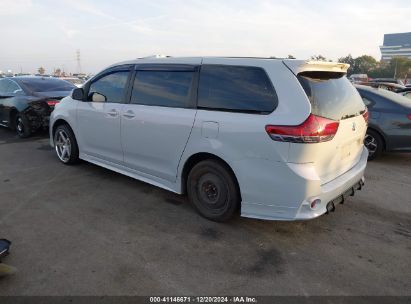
331,95
47,84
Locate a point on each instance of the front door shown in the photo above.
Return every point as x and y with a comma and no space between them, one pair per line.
99,117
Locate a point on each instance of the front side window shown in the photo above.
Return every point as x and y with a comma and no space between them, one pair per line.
236,88
109,88
163,88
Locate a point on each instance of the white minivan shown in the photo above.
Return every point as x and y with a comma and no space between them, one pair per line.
277,139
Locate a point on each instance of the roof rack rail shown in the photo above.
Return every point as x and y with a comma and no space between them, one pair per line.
155,56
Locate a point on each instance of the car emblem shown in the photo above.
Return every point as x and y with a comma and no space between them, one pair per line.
353,126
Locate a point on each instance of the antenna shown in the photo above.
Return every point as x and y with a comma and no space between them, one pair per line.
78,61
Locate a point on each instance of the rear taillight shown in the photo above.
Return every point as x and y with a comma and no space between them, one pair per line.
409,116
52,103
314,130
366,115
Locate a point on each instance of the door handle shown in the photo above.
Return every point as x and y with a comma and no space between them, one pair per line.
129,114
112,113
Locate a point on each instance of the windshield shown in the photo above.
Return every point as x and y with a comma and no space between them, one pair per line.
47,84
332,96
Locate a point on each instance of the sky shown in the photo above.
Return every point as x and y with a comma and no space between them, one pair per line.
48,33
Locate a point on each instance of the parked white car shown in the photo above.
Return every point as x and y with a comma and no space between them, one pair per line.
280,139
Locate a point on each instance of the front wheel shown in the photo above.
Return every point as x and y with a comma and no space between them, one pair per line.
213,190
374,143
65,145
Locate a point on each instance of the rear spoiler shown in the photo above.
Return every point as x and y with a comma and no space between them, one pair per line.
301,66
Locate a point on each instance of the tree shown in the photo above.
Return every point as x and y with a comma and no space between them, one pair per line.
41,70
57,72
319,58
350,60
364,64
402,67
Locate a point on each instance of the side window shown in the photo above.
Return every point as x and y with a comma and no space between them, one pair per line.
109,88
13,88
162,88
8,87
235,88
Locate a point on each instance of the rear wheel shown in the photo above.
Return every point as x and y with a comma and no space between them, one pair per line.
213,190
65,145
374,143
22,126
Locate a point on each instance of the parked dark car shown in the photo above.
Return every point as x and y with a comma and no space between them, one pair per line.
26,102
389,126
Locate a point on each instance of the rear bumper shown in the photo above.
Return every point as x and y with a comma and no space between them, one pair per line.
294,200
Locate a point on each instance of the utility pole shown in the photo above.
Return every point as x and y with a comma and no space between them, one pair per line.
396,66
78,61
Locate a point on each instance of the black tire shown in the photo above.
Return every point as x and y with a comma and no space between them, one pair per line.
213,190
374,143
73,156
23,128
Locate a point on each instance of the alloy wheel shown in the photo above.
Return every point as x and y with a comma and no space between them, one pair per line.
63,146
371,144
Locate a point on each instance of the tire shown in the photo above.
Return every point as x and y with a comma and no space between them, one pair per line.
23,128
374,143
213,190
65,145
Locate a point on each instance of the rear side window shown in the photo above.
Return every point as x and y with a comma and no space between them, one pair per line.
163,88
236,88
332,96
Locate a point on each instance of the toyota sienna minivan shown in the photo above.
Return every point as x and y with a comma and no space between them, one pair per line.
277,139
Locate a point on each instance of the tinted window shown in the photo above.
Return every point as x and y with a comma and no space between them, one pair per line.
233,88
162,88
333,98
3,85
13,88
112,86
46,84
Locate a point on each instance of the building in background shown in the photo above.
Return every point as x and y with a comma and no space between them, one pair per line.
395,45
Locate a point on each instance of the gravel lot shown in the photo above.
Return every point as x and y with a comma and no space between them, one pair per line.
84,230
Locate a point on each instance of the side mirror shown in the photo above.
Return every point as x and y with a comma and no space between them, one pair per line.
77,94
97,97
